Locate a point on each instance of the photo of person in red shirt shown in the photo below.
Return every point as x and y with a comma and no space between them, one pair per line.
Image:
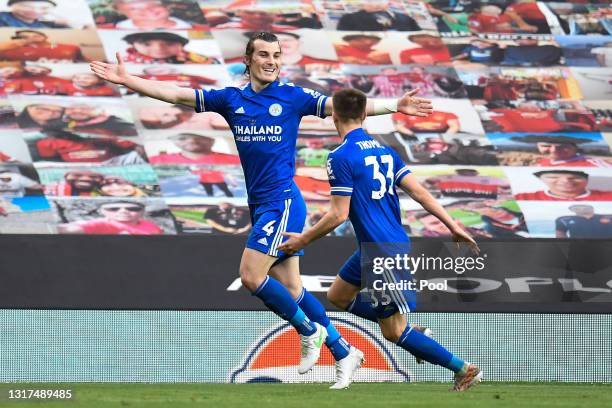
565,185
31,45
194,149
529,117
158,47
170,74
149,15
431,50
562,150
33,80
118,218
87,84
359,49
436,122
63,146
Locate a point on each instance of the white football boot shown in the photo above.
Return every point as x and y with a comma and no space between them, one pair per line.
345,368
311,348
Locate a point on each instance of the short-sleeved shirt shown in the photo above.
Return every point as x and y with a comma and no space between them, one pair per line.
598,226
368,171
476,54
265,126
489,24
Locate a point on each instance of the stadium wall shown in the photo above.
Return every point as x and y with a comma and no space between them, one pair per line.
231,346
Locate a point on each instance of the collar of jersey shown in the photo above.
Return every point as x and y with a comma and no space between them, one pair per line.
248,91
354,133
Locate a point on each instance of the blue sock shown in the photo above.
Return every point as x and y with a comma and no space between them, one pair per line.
316,312
363,309
278,299
428,349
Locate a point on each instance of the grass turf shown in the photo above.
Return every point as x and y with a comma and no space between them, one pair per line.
386,395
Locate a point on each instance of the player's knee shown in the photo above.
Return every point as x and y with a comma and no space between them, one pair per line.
392,332
250,280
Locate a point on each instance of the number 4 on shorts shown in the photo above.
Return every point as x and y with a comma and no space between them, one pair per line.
269,227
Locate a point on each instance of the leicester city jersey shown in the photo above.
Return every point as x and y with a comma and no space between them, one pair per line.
265,126
368,172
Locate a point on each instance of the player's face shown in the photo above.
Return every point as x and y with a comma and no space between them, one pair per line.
84,181
122,212
85,80
558,151
31,10
144,11
81,112
565,183
118,189
195,144
43,113
492,11
158,49
289,45
375,6
265,63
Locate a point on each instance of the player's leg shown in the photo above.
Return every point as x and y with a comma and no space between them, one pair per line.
288,273
269,221
254,267
395,329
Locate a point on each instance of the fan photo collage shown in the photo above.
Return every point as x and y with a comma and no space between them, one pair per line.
518,144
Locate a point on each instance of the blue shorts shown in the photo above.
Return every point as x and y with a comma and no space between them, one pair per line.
390,302
271,219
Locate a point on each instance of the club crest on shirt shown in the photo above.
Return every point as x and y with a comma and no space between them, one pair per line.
275,109
330,171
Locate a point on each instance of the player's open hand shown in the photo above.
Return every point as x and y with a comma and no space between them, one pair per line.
115,73
293,244
459,236
412,105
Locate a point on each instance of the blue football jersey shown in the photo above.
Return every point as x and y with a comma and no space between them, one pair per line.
368,171
265,127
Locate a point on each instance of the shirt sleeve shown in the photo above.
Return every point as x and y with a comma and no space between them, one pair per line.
340,175
309,102
401,170
213,100
560,224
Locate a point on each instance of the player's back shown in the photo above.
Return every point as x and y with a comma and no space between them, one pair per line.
368,171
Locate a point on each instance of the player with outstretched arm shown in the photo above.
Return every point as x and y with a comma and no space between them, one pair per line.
264,116
363,175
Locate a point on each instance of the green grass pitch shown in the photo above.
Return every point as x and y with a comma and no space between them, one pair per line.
387,395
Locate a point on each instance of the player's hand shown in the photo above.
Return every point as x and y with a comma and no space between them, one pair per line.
293,244
414,106
115,73
459,236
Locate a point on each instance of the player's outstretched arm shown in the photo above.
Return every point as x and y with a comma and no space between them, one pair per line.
338,213
408,104
419,194
164,91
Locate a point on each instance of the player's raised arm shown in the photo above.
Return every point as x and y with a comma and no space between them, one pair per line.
164,91
419,194
408,104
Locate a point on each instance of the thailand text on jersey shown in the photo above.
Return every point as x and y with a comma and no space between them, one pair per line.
265,126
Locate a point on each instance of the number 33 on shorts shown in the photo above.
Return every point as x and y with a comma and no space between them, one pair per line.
271,219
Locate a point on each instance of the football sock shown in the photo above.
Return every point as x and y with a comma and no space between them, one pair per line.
362,309
316,312
278,299
428,349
